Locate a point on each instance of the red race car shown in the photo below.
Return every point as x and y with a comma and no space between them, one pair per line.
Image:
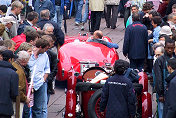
86,66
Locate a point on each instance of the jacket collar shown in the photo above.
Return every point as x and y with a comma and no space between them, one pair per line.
6,64
171,76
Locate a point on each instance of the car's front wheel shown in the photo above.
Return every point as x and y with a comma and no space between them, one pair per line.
94,105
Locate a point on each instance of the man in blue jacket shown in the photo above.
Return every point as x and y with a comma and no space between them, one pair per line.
8,84
118,97
136,43
44,4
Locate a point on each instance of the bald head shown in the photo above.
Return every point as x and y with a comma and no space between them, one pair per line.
97,34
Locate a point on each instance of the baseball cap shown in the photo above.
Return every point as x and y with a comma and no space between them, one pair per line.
8,54
165,30
7,19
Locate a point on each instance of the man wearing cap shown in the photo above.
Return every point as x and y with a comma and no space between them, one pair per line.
8,21
8,84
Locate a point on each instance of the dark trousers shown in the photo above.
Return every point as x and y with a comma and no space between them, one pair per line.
95,20
137,64
4,116
111,20
148,66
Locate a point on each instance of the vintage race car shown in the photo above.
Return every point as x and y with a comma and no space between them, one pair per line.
86,66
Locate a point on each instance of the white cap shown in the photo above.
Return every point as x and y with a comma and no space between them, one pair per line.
165,30
7,19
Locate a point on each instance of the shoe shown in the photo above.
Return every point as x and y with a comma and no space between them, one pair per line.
82,28
108,26
76,23
113,27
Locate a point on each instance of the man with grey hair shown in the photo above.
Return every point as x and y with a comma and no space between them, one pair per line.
19,64
48,28
16,8
29,35
58,33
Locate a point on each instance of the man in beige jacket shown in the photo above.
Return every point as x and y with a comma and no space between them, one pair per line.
97,8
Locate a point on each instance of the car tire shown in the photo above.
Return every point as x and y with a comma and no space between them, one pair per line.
94,101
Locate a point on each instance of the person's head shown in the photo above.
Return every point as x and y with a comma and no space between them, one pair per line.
23,58
49,39
171,65
163,37
156,21
33,17
121,66
2,48
134,8
31,35
10,44
8,21
153,13
97,34
42,45
26,47
3,9
174,8
159,51
169,47
166,30
146,7
17,6
48,28
45,14
135,17
172,17
2,29
8,56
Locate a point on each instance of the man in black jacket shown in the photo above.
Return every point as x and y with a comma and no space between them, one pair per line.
8,84
161,72
32,19
45,14
135,44
171,93
118,97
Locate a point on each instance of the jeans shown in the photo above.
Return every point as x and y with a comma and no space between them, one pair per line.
86,12
26,111
78,9
58,16
137,64
39,110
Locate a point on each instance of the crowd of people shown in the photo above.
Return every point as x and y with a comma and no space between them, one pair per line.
27,51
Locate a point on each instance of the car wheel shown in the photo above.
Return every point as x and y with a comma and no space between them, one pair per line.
94,105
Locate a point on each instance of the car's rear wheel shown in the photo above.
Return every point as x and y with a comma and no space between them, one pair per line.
94,105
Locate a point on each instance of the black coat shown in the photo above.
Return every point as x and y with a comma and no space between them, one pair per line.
136,41
118,98
57,31
160,74
171,96
8,87
53,67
